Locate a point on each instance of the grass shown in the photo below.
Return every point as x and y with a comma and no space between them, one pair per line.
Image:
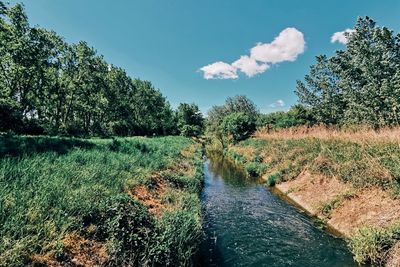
327,208
363,165
370,245
364,159
53,187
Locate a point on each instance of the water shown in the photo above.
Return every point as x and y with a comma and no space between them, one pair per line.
247,225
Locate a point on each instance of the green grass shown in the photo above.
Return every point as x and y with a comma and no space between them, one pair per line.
372,164
50,187
370,245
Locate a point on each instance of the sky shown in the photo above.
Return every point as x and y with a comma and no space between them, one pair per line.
204,51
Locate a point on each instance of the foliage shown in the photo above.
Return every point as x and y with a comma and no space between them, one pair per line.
238,125
255,169
232,108
190,120
369,245
363,165
358,85
296,115
50,87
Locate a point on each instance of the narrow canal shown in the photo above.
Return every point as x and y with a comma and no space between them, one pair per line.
247,225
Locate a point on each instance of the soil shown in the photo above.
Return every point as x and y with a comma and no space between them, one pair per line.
371,207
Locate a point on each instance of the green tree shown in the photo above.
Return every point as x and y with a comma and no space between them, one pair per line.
358,85
189,119
49,86
238,126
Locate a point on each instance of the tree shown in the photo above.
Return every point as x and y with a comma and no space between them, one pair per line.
238,126
234,104
296,115
358,84
230,118
49,86
189,119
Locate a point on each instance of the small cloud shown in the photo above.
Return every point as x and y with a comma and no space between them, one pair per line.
249,66
341,37
278,104
287,46
219,70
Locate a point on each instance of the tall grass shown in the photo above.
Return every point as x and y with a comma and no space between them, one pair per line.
345,133
362,164
50,187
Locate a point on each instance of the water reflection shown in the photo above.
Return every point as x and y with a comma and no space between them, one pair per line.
227,170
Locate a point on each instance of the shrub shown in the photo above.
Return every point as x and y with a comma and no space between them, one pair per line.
255,169
127,225
273,179
238,125
369,244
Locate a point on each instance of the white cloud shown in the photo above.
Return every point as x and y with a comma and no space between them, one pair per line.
287,46
341,37
249,66
219,70
278,104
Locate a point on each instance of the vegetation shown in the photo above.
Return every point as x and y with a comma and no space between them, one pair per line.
134,201
295,116
366,159
50,87
235,120
238,126
190,120
124,201
371,164
370,245
358,85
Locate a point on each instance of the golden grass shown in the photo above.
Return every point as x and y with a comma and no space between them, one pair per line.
359,134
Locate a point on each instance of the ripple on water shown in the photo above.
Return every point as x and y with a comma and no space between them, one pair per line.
247,225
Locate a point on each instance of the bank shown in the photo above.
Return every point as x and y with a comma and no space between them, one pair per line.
350,184
100,202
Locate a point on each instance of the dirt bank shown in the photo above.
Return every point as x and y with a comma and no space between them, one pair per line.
350,185
340,205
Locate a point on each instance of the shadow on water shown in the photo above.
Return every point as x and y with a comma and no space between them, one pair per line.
247,225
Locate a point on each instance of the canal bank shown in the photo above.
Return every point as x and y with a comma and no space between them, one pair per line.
350,185
248,225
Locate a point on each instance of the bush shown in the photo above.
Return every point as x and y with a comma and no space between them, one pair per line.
369,244
297,115
255,169
127,224
238,125
190,130
274,179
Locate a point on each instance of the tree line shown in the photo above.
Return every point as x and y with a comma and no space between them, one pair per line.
48,86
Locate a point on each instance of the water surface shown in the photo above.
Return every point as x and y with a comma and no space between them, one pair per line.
247,225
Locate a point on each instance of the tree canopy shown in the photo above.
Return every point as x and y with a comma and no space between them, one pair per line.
360,84
48,86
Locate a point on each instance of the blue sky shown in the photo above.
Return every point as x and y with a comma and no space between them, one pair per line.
168,42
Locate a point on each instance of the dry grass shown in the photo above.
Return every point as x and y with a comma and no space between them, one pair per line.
359,134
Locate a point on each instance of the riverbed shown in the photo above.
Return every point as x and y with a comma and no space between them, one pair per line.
248,225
